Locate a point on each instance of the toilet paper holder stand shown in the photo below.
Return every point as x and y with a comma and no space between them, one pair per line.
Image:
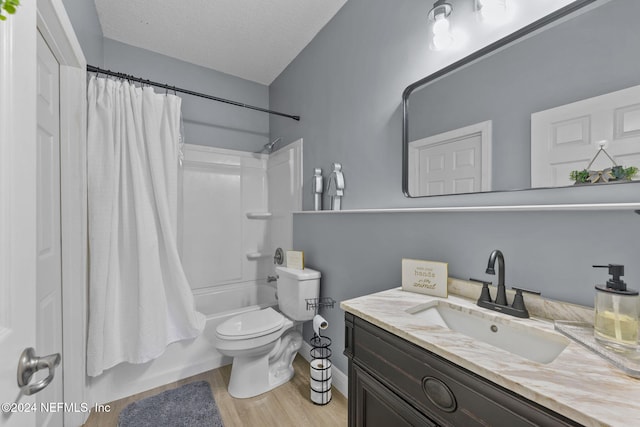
316,304
320,363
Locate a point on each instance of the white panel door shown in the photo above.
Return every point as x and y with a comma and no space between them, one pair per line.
453,162
48,242
566,138
30,201
30,304
17,206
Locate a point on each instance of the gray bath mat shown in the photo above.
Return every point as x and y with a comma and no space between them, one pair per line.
191,405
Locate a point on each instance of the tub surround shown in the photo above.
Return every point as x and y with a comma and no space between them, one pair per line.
577,384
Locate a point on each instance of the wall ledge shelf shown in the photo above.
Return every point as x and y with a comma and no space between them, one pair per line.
506,208
259,215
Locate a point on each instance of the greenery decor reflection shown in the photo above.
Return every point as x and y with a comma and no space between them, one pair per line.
8,6
612,174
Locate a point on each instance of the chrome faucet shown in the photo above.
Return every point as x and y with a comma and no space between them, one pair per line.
516,309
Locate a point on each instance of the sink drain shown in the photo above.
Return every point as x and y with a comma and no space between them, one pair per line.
494,328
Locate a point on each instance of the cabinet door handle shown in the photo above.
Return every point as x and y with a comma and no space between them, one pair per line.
439,394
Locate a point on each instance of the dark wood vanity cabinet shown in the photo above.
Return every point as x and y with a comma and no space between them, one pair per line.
393,382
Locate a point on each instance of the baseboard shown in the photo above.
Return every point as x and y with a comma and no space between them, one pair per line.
127,380
339,380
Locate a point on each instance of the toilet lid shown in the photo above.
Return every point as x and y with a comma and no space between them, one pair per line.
251,324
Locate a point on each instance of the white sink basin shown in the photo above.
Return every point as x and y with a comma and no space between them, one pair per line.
529,342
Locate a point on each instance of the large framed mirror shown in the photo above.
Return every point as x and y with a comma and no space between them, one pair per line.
555,104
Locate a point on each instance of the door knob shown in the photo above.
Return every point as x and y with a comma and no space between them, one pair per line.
29,364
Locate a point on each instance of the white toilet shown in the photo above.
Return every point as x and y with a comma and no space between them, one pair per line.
263,343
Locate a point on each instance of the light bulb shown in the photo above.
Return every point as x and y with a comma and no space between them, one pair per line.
438,14
441,26
442,37
442,42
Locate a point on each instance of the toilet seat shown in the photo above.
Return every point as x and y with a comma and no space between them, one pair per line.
251,325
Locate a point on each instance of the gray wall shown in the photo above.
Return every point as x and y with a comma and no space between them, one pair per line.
84,19
347,85
206,122
552,252
578,59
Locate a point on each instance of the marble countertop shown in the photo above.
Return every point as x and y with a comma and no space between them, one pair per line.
577,384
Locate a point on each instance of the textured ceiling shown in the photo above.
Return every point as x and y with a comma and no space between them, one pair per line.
251,39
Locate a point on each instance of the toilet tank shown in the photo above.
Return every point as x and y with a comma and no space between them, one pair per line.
294,288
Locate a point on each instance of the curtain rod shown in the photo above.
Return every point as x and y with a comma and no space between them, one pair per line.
92,69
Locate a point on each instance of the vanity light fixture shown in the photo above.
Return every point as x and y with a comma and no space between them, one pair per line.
439,15
492,10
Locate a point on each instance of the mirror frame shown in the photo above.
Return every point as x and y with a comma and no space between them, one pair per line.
511,38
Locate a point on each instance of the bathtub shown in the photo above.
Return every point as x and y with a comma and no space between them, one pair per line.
185,358
227,301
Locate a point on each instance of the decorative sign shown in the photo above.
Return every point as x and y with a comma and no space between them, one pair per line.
295,259
425,277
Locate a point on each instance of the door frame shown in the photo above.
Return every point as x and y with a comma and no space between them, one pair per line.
56,29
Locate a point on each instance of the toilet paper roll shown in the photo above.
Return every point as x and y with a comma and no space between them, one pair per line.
319,323
320,386
320,369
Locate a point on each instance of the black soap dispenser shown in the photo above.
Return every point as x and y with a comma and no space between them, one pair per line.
616,311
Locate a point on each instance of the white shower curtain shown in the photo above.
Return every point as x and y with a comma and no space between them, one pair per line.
139,297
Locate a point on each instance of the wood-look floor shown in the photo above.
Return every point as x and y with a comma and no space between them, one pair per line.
287,405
